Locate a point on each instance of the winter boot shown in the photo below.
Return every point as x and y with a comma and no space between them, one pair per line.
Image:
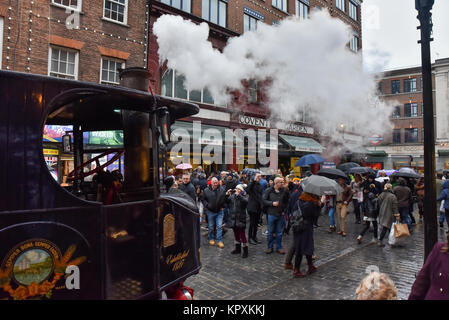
311,269
238,249
245,252
298,274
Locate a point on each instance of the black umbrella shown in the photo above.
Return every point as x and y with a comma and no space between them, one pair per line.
347,165
405,175
331,173
360,170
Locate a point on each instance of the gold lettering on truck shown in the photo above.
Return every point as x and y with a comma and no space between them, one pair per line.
169,230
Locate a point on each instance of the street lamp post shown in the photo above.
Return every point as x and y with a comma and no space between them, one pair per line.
430,218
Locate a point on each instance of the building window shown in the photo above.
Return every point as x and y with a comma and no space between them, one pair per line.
302,10
173,86
249,23
280,4
410,85
341,5
72,4
63,63
411,135
116,10
109,70
410,110
422,109
397,136
184,5
397,112
379,87
395,86
215,11
354,44
353,9
252,91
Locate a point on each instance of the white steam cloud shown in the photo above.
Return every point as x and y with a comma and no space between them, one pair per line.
306,64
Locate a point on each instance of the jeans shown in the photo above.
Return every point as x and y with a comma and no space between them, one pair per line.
367,224
253,222
331,216
383,233
239,235
405,217
446,213
356,204
275,225
225,215
342,210
215,219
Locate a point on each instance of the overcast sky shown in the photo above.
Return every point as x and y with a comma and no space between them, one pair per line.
390,35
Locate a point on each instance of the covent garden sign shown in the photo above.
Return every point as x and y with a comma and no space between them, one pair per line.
264,123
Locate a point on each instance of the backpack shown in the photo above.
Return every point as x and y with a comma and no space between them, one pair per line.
298,223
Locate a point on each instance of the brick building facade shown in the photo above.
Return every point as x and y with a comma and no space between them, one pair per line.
89,40
403,146
78,39
230,18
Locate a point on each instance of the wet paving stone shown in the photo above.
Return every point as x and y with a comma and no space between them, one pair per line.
342,264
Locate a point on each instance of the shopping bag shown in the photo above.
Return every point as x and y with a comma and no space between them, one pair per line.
442,206
392,240
401,230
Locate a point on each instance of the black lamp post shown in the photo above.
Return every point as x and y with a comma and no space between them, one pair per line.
430,211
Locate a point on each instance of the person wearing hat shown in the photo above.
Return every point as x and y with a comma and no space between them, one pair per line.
237,203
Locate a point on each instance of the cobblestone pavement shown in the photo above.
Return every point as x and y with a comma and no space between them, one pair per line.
342,264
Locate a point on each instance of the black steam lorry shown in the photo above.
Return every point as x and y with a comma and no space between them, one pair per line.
104,235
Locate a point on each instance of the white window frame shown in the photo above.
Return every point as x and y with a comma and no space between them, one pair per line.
250,18
77,8
170,3
280,4
340,4
173,82
300,9
1,41
125,14
206,6
51,48
353,11
354,44
101,69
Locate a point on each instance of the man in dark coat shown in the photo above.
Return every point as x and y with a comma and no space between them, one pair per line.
254,191
187,186
213,199
275,200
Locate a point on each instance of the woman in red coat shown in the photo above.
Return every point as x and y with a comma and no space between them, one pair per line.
432,282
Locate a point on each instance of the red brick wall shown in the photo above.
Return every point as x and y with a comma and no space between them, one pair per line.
43,30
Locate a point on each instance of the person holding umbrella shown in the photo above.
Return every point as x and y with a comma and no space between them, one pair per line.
343,200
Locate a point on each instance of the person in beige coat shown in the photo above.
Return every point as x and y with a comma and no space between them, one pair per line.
388,211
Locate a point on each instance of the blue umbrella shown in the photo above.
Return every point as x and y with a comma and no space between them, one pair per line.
308,160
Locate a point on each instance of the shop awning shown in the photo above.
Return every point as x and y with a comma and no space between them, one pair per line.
302,144
443,152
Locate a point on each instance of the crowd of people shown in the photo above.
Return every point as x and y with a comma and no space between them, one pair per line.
244,201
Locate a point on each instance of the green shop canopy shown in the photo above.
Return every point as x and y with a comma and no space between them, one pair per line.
302,144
